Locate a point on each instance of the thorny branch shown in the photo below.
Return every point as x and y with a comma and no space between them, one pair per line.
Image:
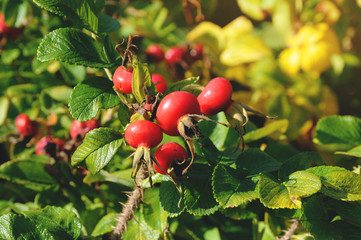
130,206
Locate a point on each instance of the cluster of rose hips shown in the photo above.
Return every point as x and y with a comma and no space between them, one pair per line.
50,145
177,114
7,31
178,59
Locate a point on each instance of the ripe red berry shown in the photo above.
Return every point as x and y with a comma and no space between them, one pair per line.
143,133
13,32
154,53
3,27
82,128
48,145
216,96
174,55
167,153
173,107
197,51
25,126
160,83
122,80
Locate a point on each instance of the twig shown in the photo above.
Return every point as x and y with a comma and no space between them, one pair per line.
289,233
130,206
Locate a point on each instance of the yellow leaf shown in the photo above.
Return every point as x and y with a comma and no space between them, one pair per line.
208,34
290,61
238,27
245,50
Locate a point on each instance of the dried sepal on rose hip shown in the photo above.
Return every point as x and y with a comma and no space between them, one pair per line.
237,116
142,135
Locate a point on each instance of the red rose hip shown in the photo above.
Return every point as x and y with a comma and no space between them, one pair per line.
215,97
160,83
25,126
166,154
174,106
48,146
174,55
143,133
197,51
154,53
81,128
122,80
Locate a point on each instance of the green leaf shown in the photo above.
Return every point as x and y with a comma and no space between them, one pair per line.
281,152
14,12
4,108
343,132
222,137
354,152
9,55
347,230
31,174
72,46
15,226
316,221
300,161
338,182
150,221
82,12
22,89
120,177
59,93
348,211
123,115
112,55
254,161
91,95
275,127
141,80
107,24
169,198
287,194
73,74
199,199
60,223
243,211
105,225
231,188
98,148
178,86
50,223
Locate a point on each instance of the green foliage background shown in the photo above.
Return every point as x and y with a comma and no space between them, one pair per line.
298,60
